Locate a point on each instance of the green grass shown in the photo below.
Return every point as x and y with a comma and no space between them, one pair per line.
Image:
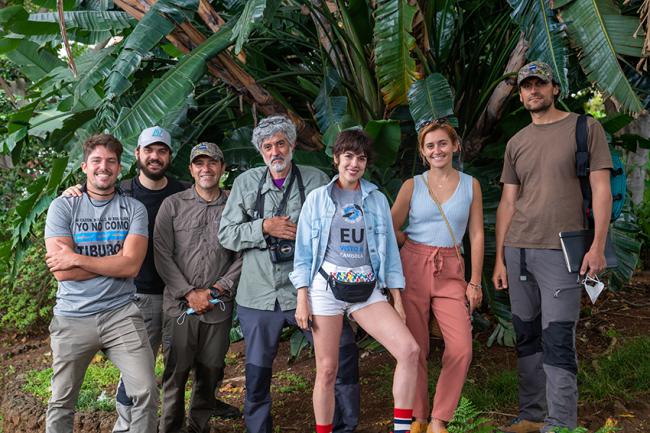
99,377
287,383
496,391
624,374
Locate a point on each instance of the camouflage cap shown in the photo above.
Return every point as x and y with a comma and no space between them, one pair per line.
540,70
207,149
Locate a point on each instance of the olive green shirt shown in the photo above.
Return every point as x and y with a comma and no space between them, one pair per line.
188,254
262,282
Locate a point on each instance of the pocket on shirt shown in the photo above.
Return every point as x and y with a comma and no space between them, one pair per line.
188,235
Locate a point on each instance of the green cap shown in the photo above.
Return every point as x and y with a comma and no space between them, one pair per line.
207,149
540,70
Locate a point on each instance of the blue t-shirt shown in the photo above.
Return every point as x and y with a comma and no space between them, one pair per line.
97,229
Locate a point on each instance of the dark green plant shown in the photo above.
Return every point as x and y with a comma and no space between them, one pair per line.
26,299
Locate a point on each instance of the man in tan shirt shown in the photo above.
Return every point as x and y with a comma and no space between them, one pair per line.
541,197
199,274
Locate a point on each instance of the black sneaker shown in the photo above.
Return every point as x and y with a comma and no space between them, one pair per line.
226,411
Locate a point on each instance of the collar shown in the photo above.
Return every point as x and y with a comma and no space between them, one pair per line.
268,183
366,187
191,194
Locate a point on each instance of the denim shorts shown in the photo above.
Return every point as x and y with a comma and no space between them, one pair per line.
322,301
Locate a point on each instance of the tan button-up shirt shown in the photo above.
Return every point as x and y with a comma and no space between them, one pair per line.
188,253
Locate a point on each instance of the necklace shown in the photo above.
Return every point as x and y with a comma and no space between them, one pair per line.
106,202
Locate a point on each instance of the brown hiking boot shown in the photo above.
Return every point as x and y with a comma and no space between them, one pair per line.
518,425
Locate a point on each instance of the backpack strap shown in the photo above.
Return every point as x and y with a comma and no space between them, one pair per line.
582,166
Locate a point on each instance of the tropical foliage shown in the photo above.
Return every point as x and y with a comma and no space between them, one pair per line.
209,70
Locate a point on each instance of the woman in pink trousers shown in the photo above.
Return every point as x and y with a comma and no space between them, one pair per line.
440,204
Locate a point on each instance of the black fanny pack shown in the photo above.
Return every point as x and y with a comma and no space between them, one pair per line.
349,292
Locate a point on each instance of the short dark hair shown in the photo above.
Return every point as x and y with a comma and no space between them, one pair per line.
107,140
353,140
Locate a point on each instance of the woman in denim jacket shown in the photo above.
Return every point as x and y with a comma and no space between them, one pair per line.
345,232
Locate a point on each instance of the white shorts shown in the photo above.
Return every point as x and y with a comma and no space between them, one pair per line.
322,301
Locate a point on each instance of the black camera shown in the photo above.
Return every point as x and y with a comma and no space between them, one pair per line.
281,250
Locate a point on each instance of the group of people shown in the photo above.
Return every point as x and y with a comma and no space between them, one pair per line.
290,246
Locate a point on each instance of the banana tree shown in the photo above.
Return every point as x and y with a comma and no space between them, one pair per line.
210,70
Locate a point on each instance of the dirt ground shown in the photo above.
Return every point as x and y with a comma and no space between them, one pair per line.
628,312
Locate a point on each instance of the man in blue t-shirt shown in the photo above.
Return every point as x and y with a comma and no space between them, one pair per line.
95,245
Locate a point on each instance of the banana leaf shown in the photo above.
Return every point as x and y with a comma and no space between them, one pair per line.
251,16
164,98
546,39
157,23
395,68
431,99
386,135
93,21
587,25
625,237
35,63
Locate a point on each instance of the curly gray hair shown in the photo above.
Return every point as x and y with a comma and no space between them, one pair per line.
270,126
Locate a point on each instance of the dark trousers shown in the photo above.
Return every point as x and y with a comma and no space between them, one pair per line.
198,346
262,331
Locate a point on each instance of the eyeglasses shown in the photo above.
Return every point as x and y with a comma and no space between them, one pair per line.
274,120
426,122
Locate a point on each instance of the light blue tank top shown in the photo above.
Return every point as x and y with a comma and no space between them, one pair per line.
426,225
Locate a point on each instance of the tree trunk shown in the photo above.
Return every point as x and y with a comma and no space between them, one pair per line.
479,135
224,68
637,162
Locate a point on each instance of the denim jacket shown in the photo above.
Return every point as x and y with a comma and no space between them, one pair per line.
314,229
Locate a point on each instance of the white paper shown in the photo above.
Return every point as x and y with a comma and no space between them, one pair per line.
594,290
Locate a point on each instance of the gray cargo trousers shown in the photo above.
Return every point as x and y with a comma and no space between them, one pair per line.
545,300
151,308
121,335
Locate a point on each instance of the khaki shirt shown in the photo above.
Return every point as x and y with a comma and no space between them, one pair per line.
188,254
262,282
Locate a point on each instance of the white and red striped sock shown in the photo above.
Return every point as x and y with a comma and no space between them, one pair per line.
402,420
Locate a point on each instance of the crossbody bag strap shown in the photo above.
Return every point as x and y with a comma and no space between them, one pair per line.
444,217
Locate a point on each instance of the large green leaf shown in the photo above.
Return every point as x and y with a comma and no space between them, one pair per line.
586,23
431,99
396,69
329,109
625,237
250,17
33,62
157,23
168,96
386,135
546,39
93,21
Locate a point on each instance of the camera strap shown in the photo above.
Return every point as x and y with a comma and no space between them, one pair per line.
259,201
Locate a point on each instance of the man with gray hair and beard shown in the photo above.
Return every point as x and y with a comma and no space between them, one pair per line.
260,221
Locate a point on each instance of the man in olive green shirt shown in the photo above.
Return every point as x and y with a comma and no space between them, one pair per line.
200,274
260,221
